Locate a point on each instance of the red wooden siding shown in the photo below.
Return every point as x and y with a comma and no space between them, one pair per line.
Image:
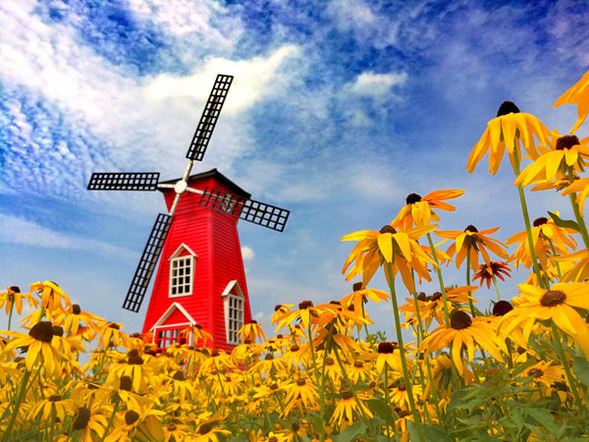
213,237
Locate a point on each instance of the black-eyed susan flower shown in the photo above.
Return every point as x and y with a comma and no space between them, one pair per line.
557,305
279,311
399,249
13,298
548,239
74,319
400,395
569,155
419,210
306,314
112,336
389,356
578,94
509,130
361,296
546,373
470,242
176,431
302,395
252,332
52,408
464,333
90,421
347,408
39,349
52,296
359,371
488,272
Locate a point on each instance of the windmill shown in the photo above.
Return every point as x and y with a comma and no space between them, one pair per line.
200,278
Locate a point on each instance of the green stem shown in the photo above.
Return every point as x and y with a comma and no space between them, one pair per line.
111,419
416,418
565,364
559,271
577,212
10,314
440,279
470,303
496,287
17,402
316,371
524,207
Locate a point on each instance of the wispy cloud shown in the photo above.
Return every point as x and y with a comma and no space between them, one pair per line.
21,231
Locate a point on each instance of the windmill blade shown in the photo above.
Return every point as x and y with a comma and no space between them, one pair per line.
124,181
209,117
147,263
250,210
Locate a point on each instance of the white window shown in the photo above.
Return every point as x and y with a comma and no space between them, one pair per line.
234,304
181,272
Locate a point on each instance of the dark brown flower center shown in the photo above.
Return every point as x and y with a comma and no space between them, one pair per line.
131,417
347,394
57,330
277,307
135,360
507,107
205,428
459,320
126,383
566,142
274,386
536,372
115,326
132,353
357,286
301,382
329,361
215,353
81,419
269,356
272,439
388,229
552,298
294,348
253,321
76,310
402,387
436,296
54,398
305,304
386,347
295,427
470,228
422,296
501,308
539,221
42,331
15,288
413,198
404,413
358,364
179,376
172,428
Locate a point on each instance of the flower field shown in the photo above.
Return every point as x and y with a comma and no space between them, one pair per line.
517,370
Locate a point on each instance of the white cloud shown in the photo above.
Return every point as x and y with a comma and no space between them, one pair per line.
377,85
18,230
247,253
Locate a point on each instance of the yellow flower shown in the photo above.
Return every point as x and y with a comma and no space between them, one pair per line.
578,94
389,357
52,295
579,185
556,305
208,432
111,335
570,153
347,407
545,235
75,320
470,242
39,348
464,332
419,210
398,248
13,297
507,131
361,296
545,372
199,335
306,314
400,395
301,394
90,421
251,332
52,408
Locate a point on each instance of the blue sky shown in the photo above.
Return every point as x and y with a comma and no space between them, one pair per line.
339,109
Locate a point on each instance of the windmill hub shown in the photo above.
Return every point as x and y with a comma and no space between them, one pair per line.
180,186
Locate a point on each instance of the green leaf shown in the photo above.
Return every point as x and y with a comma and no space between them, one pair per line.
351,433
581,369
380,408
565,223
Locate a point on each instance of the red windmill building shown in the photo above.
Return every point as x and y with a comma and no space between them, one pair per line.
200,279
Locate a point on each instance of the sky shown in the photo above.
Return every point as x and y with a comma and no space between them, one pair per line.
338,110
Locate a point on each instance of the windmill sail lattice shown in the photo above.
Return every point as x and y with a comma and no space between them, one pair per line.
253,211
